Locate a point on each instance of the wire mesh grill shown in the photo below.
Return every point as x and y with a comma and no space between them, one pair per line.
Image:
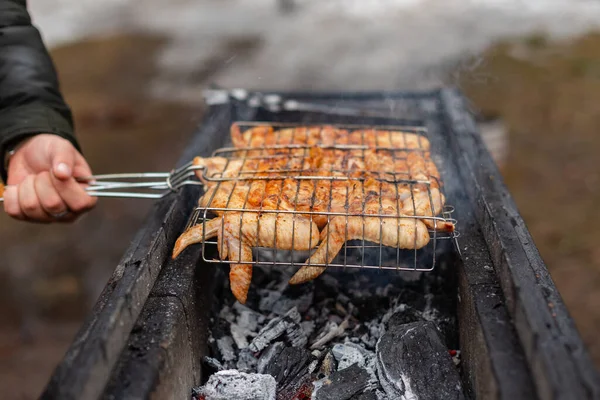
323,196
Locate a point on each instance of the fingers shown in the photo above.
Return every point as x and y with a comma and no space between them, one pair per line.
44,198
29,203
73,195
50,200
42,177
11,202
62,155
68,164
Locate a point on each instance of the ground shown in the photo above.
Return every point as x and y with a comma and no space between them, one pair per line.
547,94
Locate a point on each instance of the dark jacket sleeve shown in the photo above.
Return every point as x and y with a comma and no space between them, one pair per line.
30,98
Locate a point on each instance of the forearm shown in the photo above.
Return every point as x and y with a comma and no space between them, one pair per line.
30,98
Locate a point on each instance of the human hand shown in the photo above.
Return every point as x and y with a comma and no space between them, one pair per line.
41,183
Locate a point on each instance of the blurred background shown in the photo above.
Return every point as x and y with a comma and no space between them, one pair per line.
133,72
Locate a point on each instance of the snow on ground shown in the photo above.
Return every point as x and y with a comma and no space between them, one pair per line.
322,44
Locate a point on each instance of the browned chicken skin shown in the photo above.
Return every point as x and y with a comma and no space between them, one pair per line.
239,231
262,136
282,170
371,198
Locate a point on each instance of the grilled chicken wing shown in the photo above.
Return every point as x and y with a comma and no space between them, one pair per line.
316,172
242,231
403,233
239,231
428,202
262,136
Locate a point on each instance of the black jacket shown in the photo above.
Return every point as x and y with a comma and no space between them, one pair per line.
30,98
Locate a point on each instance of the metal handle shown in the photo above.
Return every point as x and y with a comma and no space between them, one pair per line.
100,187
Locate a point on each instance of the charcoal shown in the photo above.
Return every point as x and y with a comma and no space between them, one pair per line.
289,324
280,303
231,384
341,309
272,331
268,299
343,299
295,335
308,327
289,365
331,331
299,391
369,395
343,385
248,318
313,313
374,330
225,345
246,361
312,367
330,281
345,314
227,314
412,362
347,355
213,363
404,315
268,356
245,325
239,335
329,365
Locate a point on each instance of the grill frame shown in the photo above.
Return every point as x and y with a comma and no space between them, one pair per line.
512,344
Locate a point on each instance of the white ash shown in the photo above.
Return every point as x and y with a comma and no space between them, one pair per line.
334,330
248,318
227,314
375,330
308,327
349,353
239,336
232,384
226,348
318,385
214,363
312,367
339,326
246,361
288,324
245,325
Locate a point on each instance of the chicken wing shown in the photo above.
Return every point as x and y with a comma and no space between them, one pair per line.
238,232
261,136
403,233
242,231
331,179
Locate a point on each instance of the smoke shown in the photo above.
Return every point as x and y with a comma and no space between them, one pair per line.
320,45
